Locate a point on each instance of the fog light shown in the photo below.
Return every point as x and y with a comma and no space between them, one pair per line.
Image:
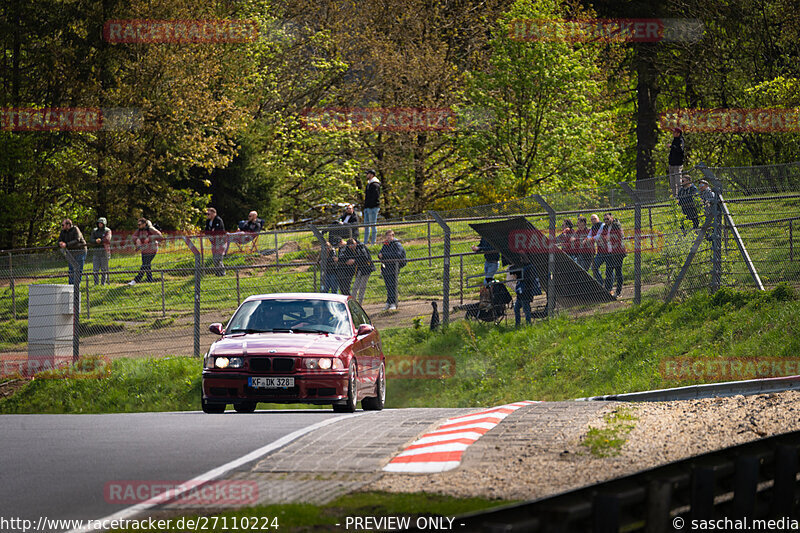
221,362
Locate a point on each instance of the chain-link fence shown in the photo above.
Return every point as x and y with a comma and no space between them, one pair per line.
545,252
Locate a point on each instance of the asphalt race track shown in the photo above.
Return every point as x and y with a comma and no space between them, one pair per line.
57,466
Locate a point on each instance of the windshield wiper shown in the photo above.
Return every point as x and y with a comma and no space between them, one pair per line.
301,330
246,330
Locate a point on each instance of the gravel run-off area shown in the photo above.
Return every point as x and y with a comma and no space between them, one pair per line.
532,463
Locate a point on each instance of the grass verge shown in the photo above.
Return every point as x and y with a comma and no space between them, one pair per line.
626,350
333,516
608,440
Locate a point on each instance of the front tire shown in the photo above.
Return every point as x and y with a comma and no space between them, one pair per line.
375,403
350,404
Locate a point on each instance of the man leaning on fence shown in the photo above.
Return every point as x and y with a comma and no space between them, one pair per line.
393,258
101,251
610,240
74,245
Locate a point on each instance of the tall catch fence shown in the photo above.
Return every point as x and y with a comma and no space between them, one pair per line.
744,236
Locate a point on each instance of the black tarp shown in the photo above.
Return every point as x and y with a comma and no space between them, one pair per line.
521,244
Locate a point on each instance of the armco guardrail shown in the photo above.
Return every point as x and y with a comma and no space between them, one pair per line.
709,390
748,487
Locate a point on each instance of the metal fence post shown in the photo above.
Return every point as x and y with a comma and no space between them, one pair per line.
277,260
87,300
551,256
637,242
163,297
323,254
445,269
198,275
238,291
461,278
430,261
14,292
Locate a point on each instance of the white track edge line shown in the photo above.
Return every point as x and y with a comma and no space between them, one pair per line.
135,509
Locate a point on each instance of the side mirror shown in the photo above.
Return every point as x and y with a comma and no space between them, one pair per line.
364,329
216,328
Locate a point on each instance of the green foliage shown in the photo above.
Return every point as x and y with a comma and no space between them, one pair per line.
551,127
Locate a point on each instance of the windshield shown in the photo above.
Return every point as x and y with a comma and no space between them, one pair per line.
296,316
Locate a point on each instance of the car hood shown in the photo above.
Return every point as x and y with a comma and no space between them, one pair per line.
281,344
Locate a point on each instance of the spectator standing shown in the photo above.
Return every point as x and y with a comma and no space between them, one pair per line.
364,268
610,239
676,160
253,224
372,206
491,260
146,238
686,199
583,247
329,281
101,253
393,258
526,288
347,266
567,238
591,240
215,228
74,245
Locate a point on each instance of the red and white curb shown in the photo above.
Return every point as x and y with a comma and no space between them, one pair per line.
441,450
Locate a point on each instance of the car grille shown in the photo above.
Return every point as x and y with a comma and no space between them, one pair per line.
282,364
259,364
274,364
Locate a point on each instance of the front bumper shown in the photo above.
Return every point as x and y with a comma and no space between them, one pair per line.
232,387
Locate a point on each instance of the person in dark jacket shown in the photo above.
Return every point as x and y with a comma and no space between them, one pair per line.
566,239
610,240
146,238
364,268
253,224
676,160
215,228
101,251
74,245
686,199
328,265
583,248
527,287
349,223
591,241
491,260
346,268
393,258
372,206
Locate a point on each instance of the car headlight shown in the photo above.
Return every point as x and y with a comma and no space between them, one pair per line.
323,363
209,362
236,362
221,362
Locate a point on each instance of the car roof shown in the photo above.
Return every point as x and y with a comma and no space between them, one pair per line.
299,296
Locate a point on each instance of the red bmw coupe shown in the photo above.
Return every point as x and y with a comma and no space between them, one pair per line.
312,348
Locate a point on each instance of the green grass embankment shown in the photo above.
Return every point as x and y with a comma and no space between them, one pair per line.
615,352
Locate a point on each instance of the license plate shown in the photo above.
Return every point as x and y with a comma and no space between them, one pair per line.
270,383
